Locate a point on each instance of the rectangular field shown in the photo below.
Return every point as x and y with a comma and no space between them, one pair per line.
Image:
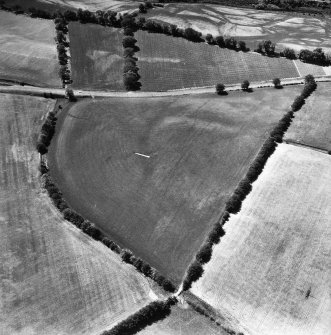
53,278
312,124
28,51
270,272
161,207
96,57
172,63
250,25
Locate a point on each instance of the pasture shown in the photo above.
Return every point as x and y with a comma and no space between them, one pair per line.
311,124
54,279
287,29
183,320
269,273
96,57
28,51
167,63
161,207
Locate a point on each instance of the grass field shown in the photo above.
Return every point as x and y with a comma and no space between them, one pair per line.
162,207
276,250
172,63
97,61
54,280
183,321
312,123
285,28
28,51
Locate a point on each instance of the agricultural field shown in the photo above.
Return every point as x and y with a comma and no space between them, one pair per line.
28,51
311,125
269,273
96,57
53,278
167,63
161,207
287,29
184,321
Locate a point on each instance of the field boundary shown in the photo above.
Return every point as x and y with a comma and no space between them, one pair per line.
307,146
233,205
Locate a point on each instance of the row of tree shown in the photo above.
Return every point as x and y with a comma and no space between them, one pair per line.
155,311
46,133
130,70
61,26
291,4
233,205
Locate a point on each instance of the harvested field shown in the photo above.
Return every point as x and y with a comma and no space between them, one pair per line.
269,273
172,63
53,278
312,124
161,207
28,51
251,25
97,61
183,320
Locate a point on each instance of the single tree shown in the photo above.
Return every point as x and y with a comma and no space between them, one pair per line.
210,39
142,8
276,82
220,89
245,85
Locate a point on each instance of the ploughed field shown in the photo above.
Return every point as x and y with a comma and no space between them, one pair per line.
96,57
287,29
28,51
311,125
270,272
54,279
161,207
167,63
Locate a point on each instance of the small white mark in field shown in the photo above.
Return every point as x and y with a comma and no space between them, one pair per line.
142,155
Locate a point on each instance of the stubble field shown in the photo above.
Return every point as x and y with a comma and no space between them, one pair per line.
167,63
250,25
161,207
96,57
53,278
269,273
311,125
28,51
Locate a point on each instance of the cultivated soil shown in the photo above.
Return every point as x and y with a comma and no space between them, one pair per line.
28,51
269,274
167,63
54,279
96,57
311,125
163,206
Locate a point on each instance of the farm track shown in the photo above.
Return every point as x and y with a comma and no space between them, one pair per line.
60,93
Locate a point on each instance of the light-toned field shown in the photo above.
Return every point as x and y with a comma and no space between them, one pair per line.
250,25
270,272
92,5
28,50
161,207
167,63
96,57
183,320
54,280
312,124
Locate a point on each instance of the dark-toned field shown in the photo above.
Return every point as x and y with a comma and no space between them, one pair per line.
53,279
97,61
311,124
172,63
271,271
28,51
161,207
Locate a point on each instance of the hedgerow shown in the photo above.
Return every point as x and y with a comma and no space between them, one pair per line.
155,311
233,205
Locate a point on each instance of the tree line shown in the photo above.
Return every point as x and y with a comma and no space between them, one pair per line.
233,205
155,311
